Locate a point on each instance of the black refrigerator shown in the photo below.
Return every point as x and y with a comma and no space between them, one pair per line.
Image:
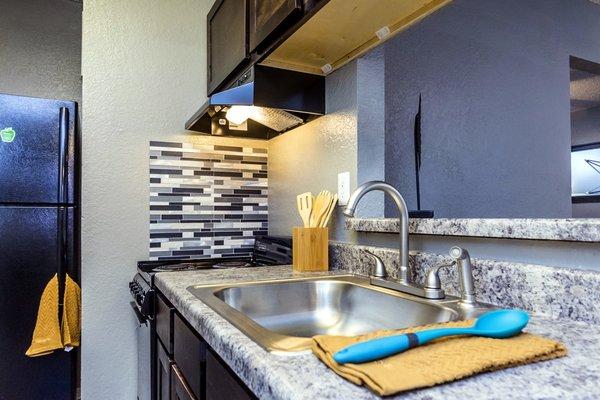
39,237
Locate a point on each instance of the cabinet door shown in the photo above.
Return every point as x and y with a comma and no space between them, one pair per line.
189,353
164,323
227,40
163,373
266,16
180,390
221,383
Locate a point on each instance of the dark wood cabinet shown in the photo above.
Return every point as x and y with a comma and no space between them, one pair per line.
164,323
189,355
241,33
227,49
163,373
194,372
180,389
221,383
266,17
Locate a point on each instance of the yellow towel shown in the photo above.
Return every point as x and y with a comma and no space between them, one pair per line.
440,361
71,322
46,335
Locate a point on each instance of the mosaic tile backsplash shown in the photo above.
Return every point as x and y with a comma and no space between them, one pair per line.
206,201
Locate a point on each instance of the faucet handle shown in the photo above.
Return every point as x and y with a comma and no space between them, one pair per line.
432,280
379,269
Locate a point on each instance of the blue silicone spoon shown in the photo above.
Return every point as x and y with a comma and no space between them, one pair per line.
494,324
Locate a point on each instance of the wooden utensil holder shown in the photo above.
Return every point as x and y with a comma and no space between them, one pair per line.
310,249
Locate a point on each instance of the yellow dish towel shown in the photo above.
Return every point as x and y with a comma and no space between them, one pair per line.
443,360
46,335
71,316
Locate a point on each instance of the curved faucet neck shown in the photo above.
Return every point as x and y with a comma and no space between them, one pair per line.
367,187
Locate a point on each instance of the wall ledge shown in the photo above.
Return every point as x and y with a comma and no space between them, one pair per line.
570,230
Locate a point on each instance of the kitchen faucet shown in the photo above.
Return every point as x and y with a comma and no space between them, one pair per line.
400,203
404,282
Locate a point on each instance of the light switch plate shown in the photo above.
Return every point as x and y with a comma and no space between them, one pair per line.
343,188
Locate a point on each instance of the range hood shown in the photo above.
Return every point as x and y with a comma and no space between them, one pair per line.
262,103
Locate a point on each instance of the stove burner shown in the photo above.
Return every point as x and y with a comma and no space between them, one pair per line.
232,264
180,267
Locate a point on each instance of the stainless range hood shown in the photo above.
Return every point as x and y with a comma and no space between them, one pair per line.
263,103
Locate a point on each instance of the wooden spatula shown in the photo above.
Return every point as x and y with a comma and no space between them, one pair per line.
319,208
304,202
330,209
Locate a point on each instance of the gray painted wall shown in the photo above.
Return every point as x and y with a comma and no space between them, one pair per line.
371,127
496,113
40,48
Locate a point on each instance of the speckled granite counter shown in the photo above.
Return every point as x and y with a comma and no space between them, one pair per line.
304,377
574,230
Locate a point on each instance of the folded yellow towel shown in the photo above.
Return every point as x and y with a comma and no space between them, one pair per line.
71,322
443,360
46,335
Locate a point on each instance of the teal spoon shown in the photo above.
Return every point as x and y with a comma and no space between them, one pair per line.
494,324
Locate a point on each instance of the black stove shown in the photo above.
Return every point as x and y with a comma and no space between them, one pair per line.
147,269
268,250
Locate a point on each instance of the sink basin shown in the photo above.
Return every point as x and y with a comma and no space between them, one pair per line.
283,315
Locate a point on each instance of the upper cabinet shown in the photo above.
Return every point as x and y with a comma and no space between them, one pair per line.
227,49
266,17
345,29
313,36
242,32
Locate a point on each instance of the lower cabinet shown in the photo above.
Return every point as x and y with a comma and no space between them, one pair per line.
195,372
163,373
189,355
221,383
180,389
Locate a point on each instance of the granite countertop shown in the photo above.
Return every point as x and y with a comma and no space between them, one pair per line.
271,376
572,230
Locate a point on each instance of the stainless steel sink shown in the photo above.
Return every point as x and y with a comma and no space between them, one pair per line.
283,315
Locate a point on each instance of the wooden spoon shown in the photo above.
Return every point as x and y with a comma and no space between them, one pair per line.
330,209
319,208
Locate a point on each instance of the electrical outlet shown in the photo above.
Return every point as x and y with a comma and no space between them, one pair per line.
343,188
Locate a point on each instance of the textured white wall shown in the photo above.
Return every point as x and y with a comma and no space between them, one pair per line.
144,74
350,137
309,158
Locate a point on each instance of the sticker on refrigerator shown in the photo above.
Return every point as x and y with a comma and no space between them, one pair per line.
7,135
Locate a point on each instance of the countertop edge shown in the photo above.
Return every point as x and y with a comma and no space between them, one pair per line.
570,230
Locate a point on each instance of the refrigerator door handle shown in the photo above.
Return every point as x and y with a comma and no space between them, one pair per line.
62,214
63,149
62,250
